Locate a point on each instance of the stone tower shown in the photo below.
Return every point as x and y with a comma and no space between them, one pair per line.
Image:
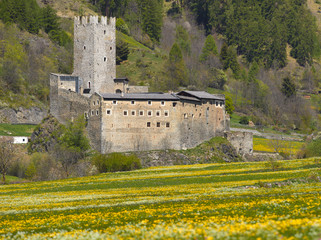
95,53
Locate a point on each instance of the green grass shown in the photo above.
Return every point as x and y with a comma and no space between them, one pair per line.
212,201
143,65
16,130
266,145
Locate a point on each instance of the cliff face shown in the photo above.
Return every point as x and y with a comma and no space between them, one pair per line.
33,115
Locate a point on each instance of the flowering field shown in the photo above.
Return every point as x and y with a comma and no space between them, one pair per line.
213,201
266,145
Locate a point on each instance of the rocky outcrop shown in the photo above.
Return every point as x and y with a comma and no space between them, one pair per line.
208,152
45,136
33,115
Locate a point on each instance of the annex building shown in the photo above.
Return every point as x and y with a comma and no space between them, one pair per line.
121,117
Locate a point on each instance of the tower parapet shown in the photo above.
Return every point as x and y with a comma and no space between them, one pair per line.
95,52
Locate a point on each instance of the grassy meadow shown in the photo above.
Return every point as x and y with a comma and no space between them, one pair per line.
7,129
211,201
268,145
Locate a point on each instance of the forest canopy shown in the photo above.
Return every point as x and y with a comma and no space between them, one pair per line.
262,29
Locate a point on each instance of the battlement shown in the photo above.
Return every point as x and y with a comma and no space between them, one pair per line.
91,20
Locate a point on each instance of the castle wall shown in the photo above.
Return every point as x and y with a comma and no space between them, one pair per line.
65,105
131,132
241,141
94,121
95,52
169,125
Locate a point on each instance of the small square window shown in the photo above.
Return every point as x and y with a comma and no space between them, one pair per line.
125,113
158,113
167,125
148,124
162,103
141,113
108,112
115,102
133,113
166,113
149,102
150,113
132,102
158,124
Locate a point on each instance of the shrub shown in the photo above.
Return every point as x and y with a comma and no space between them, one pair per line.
244,120
122,26
115,162
273,165
313,149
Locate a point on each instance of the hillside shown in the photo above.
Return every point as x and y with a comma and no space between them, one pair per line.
265,82
212,201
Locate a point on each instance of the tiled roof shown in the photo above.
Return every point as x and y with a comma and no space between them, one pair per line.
140,96
202,95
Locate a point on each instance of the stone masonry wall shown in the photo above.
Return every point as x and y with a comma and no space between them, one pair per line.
241,141
95,52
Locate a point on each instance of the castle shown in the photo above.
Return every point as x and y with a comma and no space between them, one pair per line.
121,117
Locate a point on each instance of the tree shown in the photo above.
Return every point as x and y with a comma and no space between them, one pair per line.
6,157
209,48
288,87
229,107
175,69
73,144
122,51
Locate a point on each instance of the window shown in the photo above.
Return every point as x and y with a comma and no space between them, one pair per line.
174,104
150,113
132,102
115,102
158,124
92,113
185,115
167,125
105,59
166,113
125,113
149,102
84,47
221,104
158,113
105,32
111,48
133,113
94,103
216,103
148,124
97,102
108,112
89,85
141,113
162,103
97,112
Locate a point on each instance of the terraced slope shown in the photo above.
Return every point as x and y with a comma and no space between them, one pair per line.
214,201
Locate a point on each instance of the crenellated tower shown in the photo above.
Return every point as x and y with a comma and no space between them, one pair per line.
95,52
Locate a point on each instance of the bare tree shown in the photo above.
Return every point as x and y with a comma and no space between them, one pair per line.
6,157
277,145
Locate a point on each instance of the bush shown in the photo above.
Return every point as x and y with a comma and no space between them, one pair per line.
122,26
115,162
244,120
313,149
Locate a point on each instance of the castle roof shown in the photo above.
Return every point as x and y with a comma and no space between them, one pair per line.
201,95
140,96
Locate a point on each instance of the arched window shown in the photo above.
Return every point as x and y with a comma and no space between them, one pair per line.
89,84
118,91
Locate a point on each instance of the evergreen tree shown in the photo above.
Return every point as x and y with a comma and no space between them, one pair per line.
175,69
288,87
182,39
122,51
209,48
